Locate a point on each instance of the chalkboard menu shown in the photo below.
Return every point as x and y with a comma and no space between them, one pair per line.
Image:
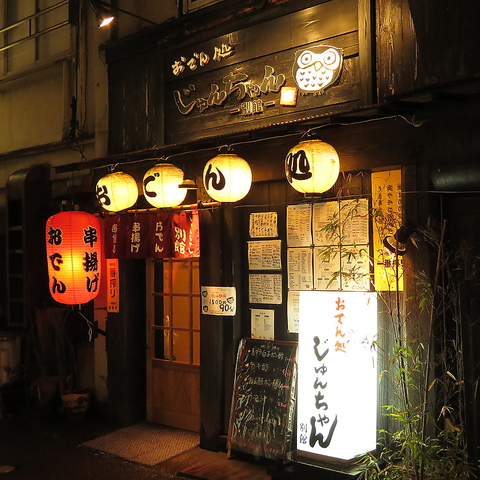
263,404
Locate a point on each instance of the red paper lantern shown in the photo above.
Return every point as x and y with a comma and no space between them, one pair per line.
74,257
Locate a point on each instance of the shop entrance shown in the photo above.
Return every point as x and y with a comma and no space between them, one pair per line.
173,359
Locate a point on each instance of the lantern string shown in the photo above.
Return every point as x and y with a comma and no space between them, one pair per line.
413,122
90,326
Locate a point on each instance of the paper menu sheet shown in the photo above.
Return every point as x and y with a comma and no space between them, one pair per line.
299,225
265,255
354,221
299,268
325,222
265,288
326,268
293,311
263,225
262,323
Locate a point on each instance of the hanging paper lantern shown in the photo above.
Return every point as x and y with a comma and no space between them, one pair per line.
74,256
161,186
312,166
117,191
227,178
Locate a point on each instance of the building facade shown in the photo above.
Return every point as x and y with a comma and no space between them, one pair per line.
392,86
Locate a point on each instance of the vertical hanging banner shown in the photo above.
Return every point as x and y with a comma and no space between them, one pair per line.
114,239
160,234
387,218
137,236
113,285
337,374
185,231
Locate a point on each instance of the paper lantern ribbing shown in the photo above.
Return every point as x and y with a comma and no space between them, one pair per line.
74,256
161,186
227,177
117,191
312,166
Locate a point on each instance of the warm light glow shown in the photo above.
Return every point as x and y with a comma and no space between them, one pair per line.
227,178
117,191
106,21
74,256
312,166
161,186
337,374
288,96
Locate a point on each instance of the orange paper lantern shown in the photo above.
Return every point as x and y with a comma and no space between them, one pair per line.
74,257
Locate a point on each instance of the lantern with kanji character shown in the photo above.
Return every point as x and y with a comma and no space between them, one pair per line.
161,186
312,166
227,177
117,191
74,257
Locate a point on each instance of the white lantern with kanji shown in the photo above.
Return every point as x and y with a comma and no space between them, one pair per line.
74,256
117,191
227,178
312,166
161,186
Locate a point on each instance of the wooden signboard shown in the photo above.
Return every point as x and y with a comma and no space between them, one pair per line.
233,82
263,404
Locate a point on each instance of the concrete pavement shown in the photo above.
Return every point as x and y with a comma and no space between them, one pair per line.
49,449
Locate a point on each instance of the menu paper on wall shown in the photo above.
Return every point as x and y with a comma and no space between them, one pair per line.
265,288
354,221
262,323
356,268
326,268
325,220
265,255
219,300
299,268
299,225
293,311
263,225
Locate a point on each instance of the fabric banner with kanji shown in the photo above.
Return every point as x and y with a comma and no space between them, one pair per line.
152,235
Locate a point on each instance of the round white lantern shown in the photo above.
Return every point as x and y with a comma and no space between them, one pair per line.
227,177
117,191
161,186
312,166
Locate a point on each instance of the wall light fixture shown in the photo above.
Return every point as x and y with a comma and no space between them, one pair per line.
106,13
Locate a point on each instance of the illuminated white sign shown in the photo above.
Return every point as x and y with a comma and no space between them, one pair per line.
337,374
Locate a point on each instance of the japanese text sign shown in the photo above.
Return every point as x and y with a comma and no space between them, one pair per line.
337,380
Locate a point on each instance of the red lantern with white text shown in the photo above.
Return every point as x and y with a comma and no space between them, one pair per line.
74,256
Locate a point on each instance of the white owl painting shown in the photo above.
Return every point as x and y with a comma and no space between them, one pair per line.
317,67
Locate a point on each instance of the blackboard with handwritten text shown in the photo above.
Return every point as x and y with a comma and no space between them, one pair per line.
263,403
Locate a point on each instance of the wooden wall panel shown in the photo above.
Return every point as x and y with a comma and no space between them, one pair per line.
425,42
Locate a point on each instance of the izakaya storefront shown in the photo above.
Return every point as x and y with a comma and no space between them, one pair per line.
293,269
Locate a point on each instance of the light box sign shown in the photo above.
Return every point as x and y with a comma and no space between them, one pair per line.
337,374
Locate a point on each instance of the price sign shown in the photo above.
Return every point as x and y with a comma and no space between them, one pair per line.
219,301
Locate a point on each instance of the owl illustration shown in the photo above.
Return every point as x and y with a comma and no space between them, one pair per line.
317,68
